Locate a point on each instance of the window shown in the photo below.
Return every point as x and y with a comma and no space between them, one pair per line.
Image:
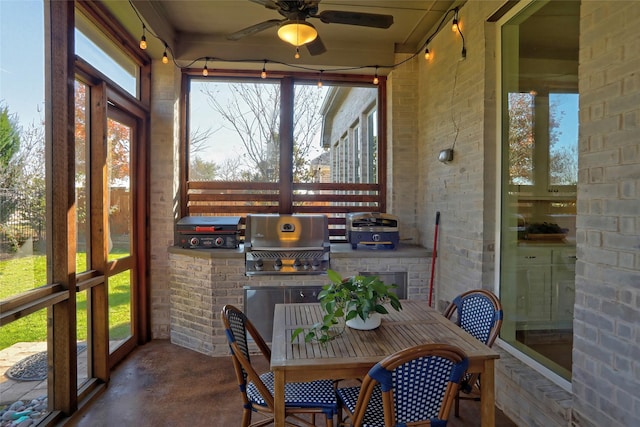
281,145
95,47
539,46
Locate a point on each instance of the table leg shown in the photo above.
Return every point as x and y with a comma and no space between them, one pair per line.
278,397
487,395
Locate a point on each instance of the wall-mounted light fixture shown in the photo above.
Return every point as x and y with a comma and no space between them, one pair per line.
446,155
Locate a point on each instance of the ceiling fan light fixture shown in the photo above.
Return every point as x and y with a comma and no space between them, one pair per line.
297,33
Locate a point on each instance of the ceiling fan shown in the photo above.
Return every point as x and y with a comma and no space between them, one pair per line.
296,30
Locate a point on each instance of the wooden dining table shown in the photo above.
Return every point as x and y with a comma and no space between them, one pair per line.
354,352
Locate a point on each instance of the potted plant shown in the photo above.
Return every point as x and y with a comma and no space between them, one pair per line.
353,301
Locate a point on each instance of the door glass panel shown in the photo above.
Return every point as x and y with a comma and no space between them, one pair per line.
119,309
119,164
539,177
81,176
120,135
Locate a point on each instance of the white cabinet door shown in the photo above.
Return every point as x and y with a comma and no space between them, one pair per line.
533,275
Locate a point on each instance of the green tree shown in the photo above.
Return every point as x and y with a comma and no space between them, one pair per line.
9,146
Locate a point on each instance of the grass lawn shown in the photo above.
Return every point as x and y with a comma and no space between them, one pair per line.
22,274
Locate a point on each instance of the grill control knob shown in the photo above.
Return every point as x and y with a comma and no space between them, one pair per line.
194,241
277,265
316,264
219,241
259,265
297,264
306,265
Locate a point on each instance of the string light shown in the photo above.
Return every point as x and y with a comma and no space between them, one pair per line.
143,39
297,55
454,24
165,58
456,27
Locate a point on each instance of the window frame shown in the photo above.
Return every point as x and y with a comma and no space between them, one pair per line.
502,161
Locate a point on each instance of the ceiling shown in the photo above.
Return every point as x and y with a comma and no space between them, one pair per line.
199,29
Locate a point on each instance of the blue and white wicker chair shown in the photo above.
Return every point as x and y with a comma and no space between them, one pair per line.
316,397
478,312
415,386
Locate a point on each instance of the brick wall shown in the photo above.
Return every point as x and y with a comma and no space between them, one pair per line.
455,106
163,184
606,371
402,148
202,282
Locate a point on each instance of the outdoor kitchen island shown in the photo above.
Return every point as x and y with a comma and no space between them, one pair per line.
204,280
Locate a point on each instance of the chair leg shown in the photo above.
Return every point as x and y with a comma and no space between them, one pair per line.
329,421
457,404
246,417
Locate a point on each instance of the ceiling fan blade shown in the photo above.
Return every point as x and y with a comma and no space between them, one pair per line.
355,18
269,4
316,47
254,29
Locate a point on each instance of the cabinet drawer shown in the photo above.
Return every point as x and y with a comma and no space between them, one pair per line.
528,256
564,256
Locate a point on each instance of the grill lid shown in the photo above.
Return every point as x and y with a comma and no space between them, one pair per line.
286,244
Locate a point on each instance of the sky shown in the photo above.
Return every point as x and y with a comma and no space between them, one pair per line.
22,59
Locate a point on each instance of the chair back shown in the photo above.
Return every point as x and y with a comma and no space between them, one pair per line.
238,328
416,384
479,312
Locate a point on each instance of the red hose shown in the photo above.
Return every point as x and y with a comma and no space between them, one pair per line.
433,257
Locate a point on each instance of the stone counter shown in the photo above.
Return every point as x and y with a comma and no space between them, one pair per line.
204,280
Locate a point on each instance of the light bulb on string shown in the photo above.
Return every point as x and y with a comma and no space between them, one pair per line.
264,70
165,58
205,70
375,78
143,39
320,79
427,54
297,55
454,24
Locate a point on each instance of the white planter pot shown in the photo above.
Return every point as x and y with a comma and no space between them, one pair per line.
365,325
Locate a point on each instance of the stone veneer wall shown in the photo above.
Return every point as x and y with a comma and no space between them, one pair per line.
606,353
202,282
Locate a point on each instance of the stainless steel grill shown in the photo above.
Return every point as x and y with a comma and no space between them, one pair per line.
286,244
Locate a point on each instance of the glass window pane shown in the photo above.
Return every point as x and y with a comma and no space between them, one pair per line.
95,48
563,146
521,140
22,175
539,176
81,181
